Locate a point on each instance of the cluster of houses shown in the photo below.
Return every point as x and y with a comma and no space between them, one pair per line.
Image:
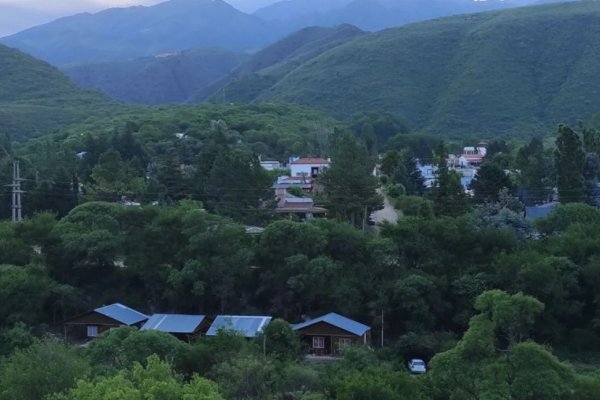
322,336
294,192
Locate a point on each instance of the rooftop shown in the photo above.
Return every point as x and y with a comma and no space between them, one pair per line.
122,314
301,161
248,326
337,320
174,323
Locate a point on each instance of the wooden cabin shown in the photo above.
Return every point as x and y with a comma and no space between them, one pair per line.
102,319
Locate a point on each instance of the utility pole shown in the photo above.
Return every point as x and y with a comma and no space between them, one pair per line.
17,206
382,328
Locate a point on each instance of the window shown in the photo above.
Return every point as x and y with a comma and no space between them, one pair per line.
318,342
343,342
92,331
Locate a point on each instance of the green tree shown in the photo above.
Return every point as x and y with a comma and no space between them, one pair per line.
448,194
536,170
280,340
489,181
349,187
476,369
44,368
570,163
155,381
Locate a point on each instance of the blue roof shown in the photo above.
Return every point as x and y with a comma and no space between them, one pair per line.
122,314
173,323
541,211
249,326
337,320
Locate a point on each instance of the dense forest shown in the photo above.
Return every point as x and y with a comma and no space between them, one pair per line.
467,283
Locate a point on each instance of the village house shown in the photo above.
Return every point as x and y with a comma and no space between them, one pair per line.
247,326
181,326
328,334
284,183
301,207
94,322
472,156
270,165
309,167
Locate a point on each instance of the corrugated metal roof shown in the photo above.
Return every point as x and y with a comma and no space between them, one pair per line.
249,326
173,323
339,321
122,314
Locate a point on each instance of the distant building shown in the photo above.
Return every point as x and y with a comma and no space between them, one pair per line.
270,165
308,167
284,183
94,322
302,207
472,156
247,326
178,325
328,334
428,172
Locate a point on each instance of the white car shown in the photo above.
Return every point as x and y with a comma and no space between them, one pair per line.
417,366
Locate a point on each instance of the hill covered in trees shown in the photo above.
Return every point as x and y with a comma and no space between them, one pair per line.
158,80
36,98
510,72
271,64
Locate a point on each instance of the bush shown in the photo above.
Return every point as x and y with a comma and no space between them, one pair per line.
396,190
415,206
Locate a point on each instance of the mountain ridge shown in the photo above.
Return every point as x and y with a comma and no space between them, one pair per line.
494,72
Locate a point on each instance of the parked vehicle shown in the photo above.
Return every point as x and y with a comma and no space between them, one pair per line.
417,366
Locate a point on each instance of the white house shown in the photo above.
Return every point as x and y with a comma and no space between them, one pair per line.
309,167
270,165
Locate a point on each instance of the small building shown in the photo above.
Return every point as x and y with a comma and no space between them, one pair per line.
302,207
178,325
328,334
284,183
429,174
540,211
247,326
95,322
472,156
308,167
270,165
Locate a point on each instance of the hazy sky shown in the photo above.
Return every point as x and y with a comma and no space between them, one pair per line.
62,6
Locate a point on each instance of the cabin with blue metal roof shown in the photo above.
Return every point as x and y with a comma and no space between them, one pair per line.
102,319
179,325
328,334
247,326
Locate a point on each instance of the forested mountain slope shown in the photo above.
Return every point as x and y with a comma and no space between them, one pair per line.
37,98
271,64
518,71
129,33
158,80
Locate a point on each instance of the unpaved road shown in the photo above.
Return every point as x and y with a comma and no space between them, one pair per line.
388,213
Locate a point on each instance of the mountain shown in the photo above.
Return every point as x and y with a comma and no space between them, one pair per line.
158,80
36,98
271,64
513,72
127,33
372,15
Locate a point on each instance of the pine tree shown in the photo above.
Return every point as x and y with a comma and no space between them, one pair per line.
448,195
488,183
349,187
535,172
570,164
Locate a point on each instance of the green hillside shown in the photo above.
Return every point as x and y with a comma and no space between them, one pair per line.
271,64
162,80
36,98
511,72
